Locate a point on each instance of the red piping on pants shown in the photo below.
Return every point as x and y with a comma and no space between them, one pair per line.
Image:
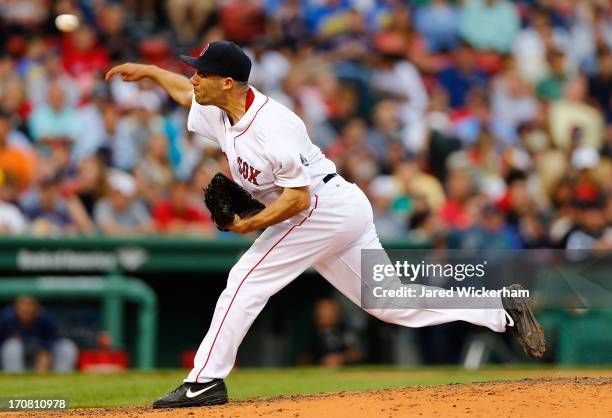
245,277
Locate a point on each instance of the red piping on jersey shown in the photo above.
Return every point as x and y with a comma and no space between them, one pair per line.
250,123
250,97
245,277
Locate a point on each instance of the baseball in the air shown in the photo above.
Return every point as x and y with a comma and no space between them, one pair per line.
67,22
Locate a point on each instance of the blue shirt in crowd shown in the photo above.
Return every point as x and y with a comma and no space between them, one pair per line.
458,84
439,25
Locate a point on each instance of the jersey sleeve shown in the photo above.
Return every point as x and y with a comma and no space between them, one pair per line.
205,121
289,171
288,146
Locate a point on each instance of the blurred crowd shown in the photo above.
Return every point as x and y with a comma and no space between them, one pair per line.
471,124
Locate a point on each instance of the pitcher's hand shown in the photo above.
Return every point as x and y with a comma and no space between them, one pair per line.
129,72
239,226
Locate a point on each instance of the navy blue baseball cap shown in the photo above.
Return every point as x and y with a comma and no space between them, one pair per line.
222,58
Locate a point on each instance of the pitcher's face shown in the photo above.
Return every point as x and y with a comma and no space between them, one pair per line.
207,88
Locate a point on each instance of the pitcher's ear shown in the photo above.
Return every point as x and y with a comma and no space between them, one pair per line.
228,83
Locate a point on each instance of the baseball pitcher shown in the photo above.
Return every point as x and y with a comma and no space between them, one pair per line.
311,216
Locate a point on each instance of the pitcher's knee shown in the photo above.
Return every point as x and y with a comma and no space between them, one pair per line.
236,275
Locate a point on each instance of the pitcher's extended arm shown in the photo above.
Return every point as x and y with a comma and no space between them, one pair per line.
178,86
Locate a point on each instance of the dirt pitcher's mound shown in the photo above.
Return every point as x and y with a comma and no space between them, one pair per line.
568,397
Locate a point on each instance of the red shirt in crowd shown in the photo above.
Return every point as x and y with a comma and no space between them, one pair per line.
164,214
79,62
454,215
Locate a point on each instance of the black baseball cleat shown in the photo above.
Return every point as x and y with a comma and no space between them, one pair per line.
524,325
195,394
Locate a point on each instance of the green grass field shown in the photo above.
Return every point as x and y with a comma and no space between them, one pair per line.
140,388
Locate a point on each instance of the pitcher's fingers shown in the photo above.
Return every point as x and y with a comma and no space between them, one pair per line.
116,69
110,73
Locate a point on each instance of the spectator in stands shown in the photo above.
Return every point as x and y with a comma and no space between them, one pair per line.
350,48
242,20
188,17
462,76
269,67
533,232
512,103
396,36
489,24
592,230
153,173
83,56
600,84
551,87
533,44
516,202
332,343
16,157
42,74
383,191
591,30
115,32
574,122
394,76
52,213
288,23
88,185
101,117
425,225
25,14
584,162
352,140
55,120
386,130
490,232
12,220
327,18
438,21
418,186
468,121
459,188
178,214
29,340
202,175
15,101
143,17
120,212
136,127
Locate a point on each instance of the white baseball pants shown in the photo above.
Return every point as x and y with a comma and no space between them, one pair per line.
329,236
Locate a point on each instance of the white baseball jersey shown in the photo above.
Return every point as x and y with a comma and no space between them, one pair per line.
267,149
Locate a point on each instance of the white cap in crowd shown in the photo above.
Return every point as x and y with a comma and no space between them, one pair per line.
584,157
122,182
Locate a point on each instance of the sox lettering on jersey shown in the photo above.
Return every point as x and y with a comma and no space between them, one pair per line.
247,171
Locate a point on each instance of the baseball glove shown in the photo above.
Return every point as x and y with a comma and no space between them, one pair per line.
224,198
